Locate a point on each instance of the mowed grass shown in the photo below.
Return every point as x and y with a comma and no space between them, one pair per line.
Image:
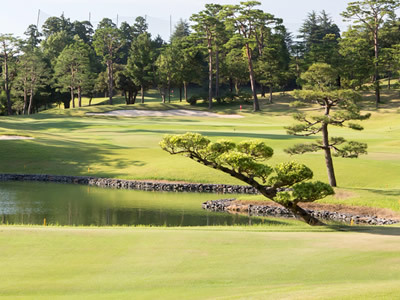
68,142
198,263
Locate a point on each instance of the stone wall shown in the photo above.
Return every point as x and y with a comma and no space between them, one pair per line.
228,205
133,184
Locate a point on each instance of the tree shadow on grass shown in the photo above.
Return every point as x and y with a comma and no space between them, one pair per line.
385,192
46,124
62,157
233,134
377,230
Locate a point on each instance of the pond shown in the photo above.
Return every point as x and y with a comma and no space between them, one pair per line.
67,204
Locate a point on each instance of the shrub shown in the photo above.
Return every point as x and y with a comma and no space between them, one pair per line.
193,99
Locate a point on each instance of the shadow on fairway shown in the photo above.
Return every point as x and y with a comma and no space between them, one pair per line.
393,192
233,134
46,123
63,157
377,230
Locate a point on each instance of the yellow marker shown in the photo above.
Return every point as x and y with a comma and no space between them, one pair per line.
352,222
44,222
88,169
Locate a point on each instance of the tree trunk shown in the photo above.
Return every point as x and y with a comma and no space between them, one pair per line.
256,105
30,102
293,207
270,94
7,85
237,87
142,92
134,96
262,91
328,155
298,67
210,75
339,81
162,92
110,72
376,77
217,73
185,91
389,80
72,98
231,84
169,91
180,93
303,215
130,96
25,99
90,100
126,98
79,96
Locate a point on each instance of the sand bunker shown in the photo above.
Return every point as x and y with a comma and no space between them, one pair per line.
14,137
164,113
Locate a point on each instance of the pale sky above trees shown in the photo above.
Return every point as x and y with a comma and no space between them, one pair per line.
17,15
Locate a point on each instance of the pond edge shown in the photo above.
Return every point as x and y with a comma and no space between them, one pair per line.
133,184
229,206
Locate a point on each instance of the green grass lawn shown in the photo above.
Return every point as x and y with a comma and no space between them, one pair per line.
198,263
291,261
67,142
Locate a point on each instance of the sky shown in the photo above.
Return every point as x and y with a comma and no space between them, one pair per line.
17,15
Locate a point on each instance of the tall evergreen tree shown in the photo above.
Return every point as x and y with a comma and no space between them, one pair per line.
32,76
107,42
140,62
72,69
33,37
182,30
207,25
250,22
9,47
371,14
321,89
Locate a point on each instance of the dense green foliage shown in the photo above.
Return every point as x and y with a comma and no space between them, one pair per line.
223,48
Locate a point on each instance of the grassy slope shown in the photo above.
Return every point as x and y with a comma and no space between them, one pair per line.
218,263
68,142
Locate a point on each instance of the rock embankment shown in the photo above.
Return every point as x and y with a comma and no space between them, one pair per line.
133,184
229,205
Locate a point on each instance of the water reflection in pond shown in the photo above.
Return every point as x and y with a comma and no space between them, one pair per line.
32,202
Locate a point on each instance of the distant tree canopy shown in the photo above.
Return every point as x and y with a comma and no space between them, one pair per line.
223,50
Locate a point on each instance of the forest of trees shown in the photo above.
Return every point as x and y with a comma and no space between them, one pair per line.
220,50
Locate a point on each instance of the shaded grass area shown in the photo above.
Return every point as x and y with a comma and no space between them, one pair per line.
198,263
67,142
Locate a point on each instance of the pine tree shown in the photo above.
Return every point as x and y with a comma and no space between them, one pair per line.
339,108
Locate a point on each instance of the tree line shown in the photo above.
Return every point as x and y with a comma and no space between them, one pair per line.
222,49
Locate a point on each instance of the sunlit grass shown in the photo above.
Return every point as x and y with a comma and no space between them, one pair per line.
198,263
67,142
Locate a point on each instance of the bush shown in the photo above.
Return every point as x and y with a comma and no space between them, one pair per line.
18,106
220,99
193,100
245,96
230,96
